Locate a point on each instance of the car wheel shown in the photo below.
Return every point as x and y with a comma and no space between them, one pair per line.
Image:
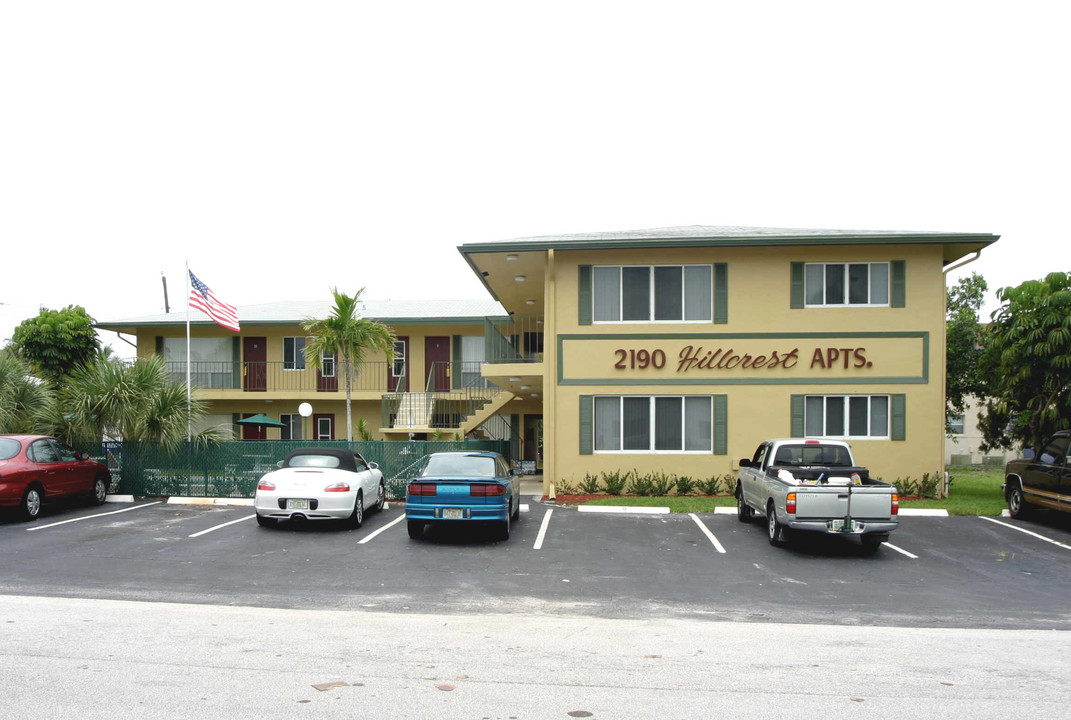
100,490
416,529
356,519
872,541
381,497
265,521
30,508
744,512
1017,506
776,530
503,528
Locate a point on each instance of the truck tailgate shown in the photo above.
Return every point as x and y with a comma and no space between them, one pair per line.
832,502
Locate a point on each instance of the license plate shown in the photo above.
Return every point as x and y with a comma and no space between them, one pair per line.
297,504
842,526
453,514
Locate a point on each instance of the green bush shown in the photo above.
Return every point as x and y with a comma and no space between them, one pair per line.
685,485
615,482
710,485
590,484
641,485
662,484
565,487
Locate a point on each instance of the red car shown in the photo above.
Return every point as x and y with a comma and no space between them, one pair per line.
36,469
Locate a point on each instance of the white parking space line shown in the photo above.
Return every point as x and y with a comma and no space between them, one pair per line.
90,517
543,530
217,527
386,527
900,550
706,531
1032,534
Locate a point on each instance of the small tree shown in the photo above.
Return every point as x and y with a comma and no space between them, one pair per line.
56,342
348,338
962,349
1026,363
26,402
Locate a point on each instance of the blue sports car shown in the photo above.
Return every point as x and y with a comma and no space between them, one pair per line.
463,487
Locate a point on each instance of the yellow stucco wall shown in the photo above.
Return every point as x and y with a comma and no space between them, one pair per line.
893,351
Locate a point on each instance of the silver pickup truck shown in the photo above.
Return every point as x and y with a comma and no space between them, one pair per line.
815,485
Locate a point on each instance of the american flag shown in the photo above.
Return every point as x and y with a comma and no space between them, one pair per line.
205,300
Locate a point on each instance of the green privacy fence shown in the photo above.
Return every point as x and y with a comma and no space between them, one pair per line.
232,469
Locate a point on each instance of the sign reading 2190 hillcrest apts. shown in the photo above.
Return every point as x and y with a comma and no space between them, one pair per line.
742,359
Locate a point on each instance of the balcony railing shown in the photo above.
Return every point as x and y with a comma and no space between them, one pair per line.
280,376
517,339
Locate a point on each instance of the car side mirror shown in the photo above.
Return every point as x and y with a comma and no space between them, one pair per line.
746,462
280,464
373,466
1028,454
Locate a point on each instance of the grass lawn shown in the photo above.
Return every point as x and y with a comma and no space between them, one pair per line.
974,491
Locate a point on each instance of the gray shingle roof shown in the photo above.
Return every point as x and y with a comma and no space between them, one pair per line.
294,312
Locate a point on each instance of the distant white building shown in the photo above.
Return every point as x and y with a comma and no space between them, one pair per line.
963,447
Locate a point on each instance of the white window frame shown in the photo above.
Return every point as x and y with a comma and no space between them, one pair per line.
652,432
651,295
847,409
297,361
320,434
292,421
397,367
327,360
846,298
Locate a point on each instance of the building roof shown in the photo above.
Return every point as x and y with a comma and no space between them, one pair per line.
390,312
714,235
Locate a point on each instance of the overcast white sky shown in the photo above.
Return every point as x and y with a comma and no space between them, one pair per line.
286,147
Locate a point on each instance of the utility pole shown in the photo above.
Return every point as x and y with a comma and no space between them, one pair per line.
167,308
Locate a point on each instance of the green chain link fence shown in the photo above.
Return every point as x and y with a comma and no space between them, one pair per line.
232,469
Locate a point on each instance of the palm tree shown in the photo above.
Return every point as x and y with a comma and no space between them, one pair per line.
26,402
133,401
350,339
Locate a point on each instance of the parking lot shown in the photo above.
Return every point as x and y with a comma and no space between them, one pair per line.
946,572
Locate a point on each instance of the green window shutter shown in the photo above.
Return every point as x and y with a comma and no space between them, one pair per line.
455,366
159,345
797,285
898,418
798,404
236,365
587,424
721,424
584,296
898,284
721,293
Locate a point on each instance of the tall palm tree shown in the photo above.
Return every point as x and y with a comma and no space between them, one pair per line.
350,339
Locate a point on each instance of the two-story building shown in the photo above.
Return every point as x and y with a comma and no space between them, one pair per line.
679,349
674,350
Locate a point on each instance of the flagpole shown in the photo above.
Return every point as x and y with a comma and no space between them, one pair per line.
189,429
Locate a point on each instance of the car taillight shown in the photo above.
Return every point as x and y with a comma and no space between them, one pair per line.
337,487
790,503
486,490
265,485
895,504
421,489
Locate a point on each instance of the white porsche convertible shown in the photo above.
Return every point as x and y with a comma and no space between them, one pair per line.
320,484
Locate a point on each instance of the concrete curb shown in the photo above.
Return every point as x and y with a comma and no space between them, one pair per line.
243,502
625,510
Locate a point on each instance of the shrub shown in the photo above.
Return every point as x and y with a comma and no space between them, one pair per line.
615,482
662,484
590,484
685,485
641,485
710,485
565,487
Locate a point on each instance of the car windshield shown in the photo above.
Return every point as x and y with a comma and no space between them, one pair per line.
477,466
320,461
9,448
806,455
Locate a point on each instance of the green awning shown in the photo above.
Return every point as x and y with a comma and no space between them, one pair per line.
261,420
